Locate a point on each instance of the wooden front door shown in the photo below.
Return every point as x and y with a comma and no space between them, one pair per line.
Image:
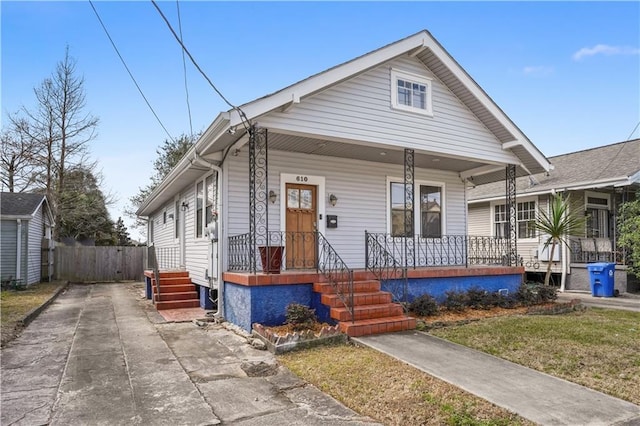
301,224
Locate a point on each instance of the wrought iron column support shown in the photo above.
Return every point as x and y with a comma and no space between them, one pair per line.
258,193
512,211
408,205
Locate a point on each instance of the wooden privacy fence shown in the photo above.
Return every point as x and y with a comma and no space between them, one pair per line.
104,263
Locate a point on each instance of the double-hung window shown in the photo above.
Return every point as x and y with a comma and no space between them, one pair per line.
424,212
206,199
411,92
525,220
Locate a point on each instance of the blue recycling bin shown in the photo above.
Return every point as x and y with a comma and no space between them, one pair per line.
602,280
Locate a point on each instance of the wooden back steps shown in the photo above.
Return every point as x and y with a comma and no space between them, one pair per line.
176,291
374,311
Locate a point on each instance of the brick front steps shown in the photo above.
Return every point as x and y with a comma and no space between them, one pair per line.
374,311
176,291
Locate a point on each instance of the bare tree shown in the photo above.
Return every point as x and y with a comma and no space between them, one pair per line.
59,130
17,155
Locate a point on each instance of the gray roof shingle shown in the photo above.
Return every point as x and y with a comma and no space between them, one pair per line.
19,203
613,162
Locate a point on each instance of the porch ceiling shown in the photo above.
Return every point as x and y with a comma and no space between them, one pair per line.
378,153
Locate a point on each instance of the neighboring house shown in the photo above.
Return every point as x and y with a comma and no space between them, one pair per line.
360,170
25,237
599,180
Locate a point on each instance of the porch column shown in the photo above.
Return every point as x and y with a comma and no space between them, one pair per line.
258,193
409,251
512,247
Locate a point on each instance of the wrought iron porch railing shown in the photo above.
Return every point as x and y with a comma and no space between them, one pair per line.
336,271
167,257
447,250
385,267
294,251
587,250
153,264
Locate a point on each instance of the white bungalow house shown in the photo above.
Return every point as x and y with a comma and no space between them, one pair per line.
353,176
26,247
598,180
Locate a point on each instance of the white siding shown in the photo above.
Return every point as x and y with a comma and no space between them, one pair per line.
360,109
480,219
35,234
361,188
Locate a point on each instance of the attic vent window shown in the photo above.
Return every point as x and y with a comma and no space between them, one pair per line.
411,92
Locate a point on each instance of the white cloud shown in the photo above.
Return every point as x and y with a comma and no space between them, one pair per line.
605,49
538,70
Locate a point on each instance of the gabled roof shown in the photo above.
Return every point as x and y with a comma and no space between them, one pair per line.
422,46
614,165
20,205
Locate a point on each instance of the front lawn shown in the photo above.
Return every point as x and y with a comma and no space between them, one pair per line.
597,348
390,391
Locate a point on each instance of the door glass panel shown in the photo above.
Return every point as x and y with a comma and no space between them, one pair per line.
306,199
293,200
430,211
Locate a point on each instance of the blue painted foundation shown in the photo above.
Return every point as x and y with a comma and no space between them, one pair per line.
438,287
149,291
266,304
203,295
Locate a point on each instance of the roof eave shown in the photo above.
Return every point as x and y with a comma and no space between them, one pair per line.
218,127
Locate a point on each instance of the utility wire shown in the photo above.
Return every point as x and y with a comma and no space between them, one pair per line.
633,131
243,116
129,71
184,68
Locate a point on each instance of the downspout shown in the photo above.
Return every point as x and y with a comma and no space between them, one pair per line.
19,249
564,263
221,233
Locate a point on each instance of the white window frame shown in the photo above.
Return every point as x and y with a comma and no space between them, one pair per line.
205,206
518,200
607,208
417,217
413,78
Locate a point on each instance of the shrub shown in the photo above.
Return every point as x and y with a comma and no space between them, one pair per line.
300,316
481,299
424,306
546,293
456,300
526,294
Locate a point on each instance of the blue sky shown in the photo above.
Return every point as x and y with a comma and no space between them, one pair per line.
567,73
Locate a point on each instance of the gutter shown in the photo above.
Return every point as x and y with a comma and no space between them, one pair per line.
19,249
616,182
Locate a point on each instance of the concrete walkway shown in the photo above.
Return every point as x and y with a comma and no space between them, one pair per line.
101,355
536,396
626,301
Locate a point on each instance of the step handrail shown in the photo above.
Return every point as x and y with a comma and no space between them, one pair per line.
335,271
384,265
156,271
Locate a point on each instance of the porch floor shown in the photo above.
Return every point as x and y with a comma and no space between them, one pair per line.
311,276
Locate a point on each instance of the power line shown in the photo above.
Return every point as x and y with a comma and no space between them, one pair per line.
184,68
633,131
129,71
243,117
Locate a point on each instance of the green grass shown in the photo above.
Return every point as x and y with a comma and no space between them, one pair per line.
597,348
392,392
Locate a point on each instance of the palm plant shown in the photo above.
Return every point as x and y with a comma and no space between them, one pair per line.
563,220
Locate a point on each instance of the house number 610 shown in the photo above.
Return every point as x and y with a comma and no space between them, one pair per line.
301,179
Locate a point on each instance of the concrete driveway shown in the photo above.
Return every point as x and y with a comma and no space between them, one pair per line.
101,355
